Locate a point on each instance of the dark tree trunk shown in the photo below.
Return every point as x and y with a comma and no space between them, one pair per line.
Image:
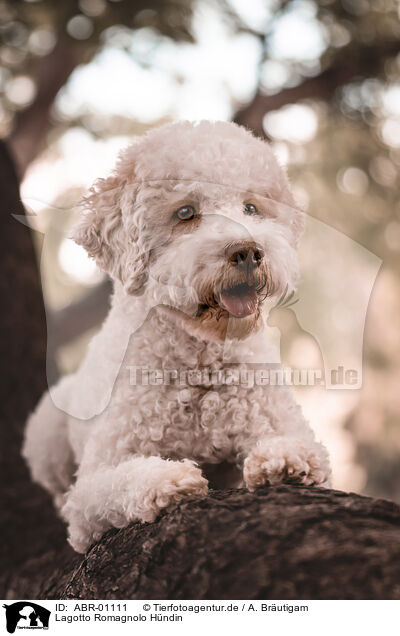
32,124
278,543
27,523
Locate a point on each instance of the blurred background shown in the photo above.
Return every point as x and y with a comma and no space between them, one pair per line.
319,80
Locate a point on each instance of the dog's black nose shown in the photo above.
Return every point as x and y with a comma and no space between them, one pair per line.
245,254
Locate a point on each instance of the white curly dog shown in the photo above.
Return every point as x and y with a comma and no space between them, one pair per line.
197,226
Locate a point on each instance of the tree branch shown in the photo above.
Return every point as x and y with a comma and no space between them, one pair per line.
282,542
366,61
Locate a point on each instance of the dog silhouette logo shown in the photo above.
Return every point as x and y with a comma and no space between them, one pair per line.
26,615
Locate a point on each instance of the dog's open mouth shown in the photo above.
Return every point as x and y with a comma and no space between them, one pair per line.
239,301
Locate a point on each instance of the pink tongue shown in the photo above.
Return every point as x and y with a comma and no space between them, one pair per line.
242,303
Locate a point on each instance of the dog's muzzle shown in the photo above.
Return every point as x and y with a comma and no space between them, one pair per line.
241,299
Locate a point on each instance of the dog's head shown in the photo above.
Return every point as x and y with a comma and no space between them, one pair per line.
199,218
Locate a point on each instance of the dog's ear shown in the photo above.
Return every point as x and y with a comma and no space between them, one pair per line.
109,232
101,221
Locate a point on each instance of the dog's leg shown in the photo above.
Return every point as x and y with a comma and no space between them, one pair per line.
279,446
276,459
136,489
47,451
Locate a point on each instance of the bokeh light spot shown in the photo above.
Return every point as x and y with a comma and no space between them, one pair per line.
383,171
297,123
390,132
298,35
21,90
80,27
42,41
76,263
352,181
92,8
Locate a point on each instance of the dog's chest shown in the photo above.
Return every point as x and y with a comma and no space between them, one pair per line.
189,421
175,408
170,403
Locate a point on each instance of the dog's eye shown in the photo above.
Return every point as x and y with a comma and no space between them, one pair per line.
250,208
185,213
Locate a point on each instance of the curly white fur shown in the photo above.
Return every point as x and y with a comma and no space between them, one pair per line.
110,452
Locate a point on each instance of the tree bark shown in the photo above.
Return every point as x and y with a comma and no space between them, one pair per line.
285,542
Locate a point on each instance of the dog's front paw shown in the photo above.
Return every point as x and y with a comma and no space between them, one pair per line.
281,459
80,530
176,481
